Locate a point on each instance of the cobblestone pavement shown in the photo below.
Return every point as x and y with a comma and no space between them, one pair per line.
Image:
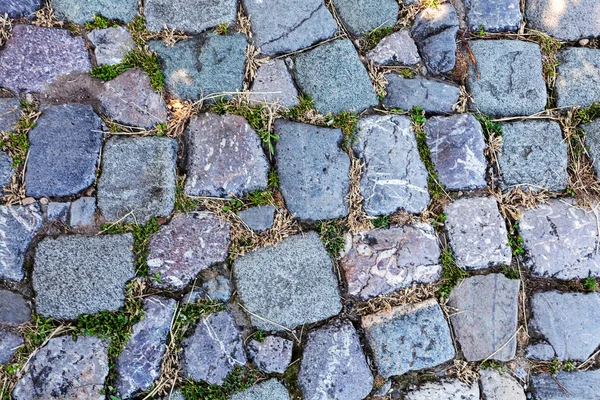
316,199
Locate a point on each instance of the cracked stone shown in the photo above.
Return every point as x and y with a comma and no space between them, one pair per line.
82,12
408,338
191,17
362,16
58,212
10,112
218,288
497,386
271,390
592,142
578,77
83,212
568,20
19,8
313,170
6,171
385,260
477,233
14,309
580,385
493,15
8,345
224,157
34,57
446,390
394,176
280,26
258,218
273,84
333,365
396,49
187,245
111,44
433,96
274,354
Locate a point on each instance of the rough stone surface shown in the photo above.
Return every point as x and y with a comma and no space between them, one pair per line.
188,245
34,57
10,112
456,146
274,354
385,260
139,363
129,99
334,77
111,44
333,365
566,20
578,79
447,390
258,218
138,178
560,240
19,8
271,389
224,157
6,170
58,212
82,12
290,284
313,170
569,322
433,96
394,177
477,233
540,351
497,386
281,26
408,338
67,369
493,15
75,275
534,155
215,348
486,316
592,142
14,309
190,16
397,48
63,156
218,288
581,385
510,78
18,225
362,16
8,345
83,212
273,84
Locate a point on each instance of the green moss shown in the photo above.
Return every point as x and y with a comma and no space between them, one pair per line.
451,273
138,30
183,203
588,114
439,221
273,179
296,113
260,198
488,125
436,190
100,22
347,122
515,241
375,36
143,59
239,380
332,234
406,73
589,284
16,142
511,272
381,222
493,364
259,336
222,29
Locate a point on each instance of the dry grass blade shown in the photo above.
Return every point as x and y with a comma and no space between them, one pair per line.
410,295
358,221
45,17
407,13
464,99
243,23
464,371
172,36
5,28
377,76
253,61
180,113
511,203
341,28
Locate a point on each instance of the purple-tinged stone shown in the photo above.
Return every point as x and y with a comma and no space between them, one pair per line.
274,354
10,112
396,49
19,8
14,309
111,44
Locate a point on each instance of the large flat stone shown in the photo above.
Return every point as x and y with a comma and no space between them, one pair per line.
581,385
18,225
486,316
273,354
271,390
408,338
280,26
569,322
82,12
568,20
385,260
289,284
334,77
456,146
64,151
14,309
394,177
111,44
224,157
192,17
362,16
508,80
74,275
493,15
433,96
138,178
592,142
10,112
333,365
19,8
313,170
397,48
274,84
9,342
578,79
500,386
445,390
6,171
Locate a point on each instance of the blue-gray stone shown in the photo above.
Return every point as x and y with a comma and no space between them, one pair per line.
433,96
541,351
19,8
14,309
445,390
6,170
64,151
19,226
334,77
111,44
271,390
192,17
498,385
58,212
397,48
362,16
592,142
83,212
218,288
81,12
565,20
493,15
578,79
258,218
8,345
273,84
273,354
580,385
10,112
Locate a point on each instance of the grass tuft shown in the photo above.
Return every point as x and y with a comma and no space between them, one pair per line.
100,22
375,36
511,272
239,380
589,284
222,29
347,122
451,273
183,203
332,234
143,59
381,222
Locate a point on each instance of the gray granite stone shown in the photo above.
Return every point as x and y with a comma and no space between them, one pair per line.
533,155
174,395
14,309
9,342
569,322
224,157
214,350
82,12
445,390
111,44
19,8
394,177
139,363
486,316
274,354
10,112
592,142
578,79
560,240
398,48
218,288
83,212
500,386
408,338
75,275
258,218
137,178
313,170
334,77
493,15
34,57
18,225
382,261
291,283
6,171
192,17
477,233
280,26
433,96
581,385
271,390
567,20
456,146
66,368
58,212
541,351
187,245
362,16
273,84
508,80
